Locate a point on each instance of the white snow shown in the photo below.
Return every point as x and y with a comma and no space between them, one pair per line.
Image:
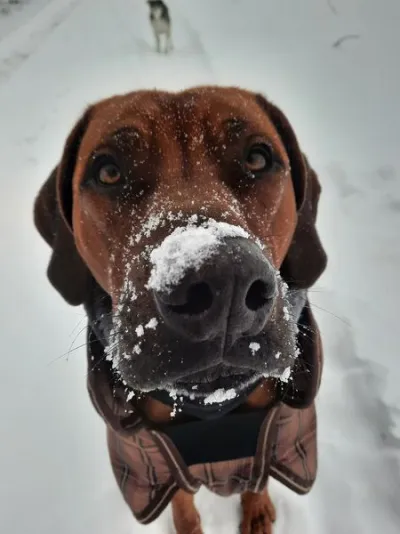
152,324
220,395
185,248
136,349
254,347
173,394
286,374
286,313
139,331
151,224
344,105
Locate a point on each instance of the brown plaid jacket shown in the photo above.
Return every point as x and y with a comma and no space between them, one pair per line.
149,469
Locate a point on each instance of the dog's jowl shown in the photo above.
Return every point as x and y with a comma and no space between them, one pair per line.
185,223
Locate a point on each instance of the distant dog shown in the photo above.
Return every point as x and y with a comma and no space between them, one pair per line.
161,24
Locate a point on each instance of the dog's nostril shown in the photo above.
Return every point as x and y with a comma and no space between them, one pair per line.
258,295
199,300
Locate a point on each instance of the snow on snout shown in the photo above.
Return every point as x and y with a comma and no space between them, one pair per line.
187,248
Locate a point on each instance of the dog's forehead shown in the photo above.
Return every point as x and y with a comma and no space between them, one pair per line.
157,113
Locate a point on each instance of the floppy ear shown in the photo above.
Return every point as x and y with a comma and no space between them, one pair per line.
52,216
306,259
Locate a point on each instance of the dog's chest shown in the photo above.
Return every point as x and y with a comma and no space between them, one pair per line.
158,21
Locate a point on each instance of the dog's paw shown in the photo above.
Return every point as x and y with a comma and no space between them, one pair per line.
188,525
258,513
189,528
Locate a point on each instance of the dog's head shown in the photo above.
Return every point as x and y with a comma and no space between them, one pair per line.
194,212
153,4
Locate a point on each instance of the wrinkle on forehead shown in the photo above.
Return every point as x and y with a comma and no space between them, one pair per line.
182,117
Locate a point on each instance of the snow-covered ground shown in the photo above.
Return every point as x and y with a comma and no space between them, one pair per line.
15,13
344,104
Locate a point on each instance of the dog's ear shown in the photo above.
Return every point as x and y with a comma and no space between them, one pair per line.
53,219
306,259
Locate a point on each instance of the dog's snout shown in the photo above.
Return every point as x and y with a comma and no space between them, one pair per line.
232,294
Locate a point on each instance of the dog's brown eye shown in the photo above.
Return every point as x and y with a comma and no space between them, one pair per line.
259,158
109,174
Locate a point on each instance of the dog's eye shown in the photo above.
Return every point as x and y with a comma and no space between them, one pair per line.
109,174
259,158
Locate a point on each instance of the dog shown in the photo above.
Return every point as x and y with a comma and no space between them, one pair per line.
185,223
161,23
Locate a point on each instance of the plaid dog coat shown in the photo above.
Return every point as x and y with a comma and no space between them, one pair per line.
233,454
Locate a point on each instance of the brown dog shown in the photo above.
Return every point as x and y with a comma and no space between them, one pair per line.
185,224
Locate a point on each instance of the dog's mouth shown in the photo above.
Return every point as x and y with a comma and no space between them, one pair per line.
221,378
196,395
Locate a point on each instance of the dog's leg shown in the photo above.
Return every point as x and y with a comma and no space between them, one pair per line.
158,42
258,513
185,515
169,45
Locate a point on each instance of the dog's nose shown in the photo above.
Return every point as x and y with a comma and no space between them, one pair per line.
232,294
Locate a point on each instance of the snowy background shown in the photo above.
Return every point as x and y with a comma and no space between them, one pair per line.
57,56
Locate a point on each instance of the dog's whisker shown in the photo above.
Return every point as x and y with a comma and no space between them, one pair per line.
302,327
285,387
78,324
96,365
72,348
313,305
